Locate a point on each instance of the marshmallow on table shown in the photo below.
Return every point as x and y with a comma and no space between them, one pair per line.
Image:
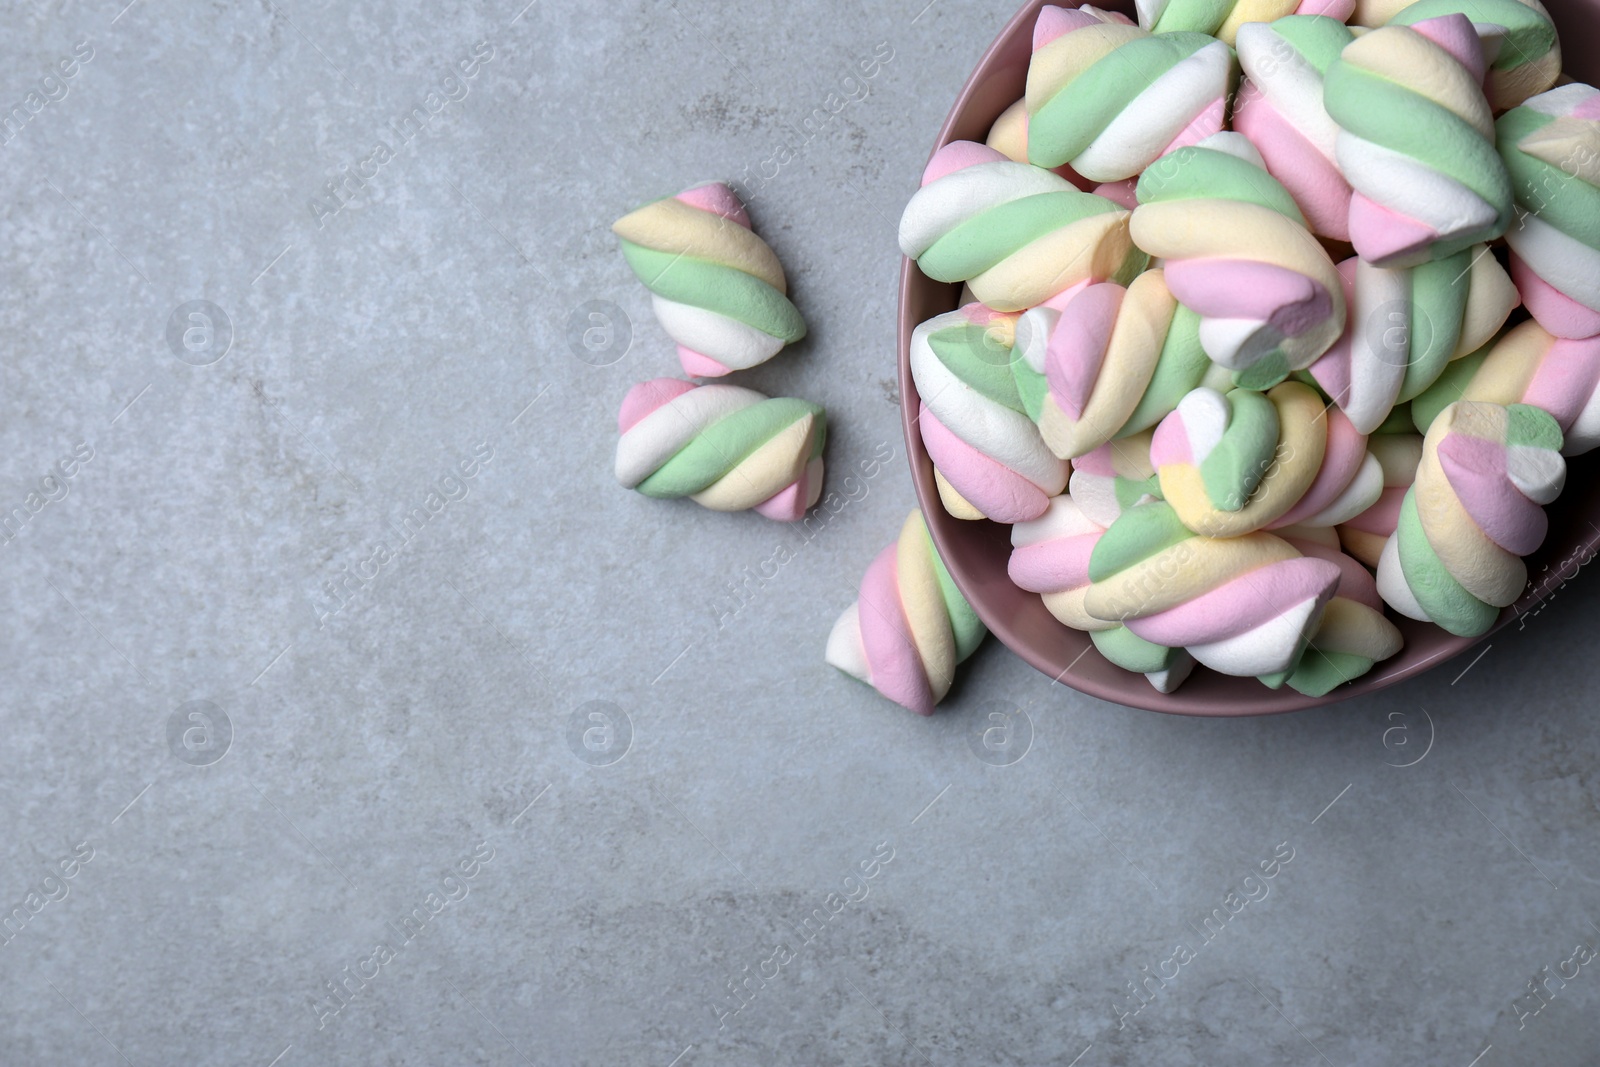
1015,233
1280,109
1528,365
1226,19
718,289
1050,556
1519,41
1244,605
910,626
1405,325
1232,463
1551,147
1417,142
1103,361
1109,98
1353,635
1398,455
1476,508
988,457
1236,250
726,447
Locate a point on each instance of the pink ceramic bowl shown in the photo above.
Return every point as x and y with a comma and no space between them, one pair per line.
976,552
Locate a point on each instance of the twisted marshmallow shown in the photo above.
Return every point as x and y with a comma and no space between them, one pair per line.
1352,635
1528,365
1107,362
1226,19
717,288
1016,234
1475,510
1240,605
988,454
910,625
1110,99
1374,13
725,447
1280,109
1551,147
1519,40
1416,142
1237,252
1230,464
1405,326
1009,137
1050,556
1115,478
1398,455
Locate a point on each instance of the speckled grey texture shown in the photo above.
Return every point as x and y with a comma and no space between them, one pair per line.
696,893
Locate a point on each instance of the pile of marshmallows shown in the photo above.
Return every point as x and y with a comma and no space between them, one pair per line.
1210,376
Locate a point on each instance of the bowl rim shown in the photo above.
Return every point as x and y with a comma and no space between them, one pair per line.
1137,692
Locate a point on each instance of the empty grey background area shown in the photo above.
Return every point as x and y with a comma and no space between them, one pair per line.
353,714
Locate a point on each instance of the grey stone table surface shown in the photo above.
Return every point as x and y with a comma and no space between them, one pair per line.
300,762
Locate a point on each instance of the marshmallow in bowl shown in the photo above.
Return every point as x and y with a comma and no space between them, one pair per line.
1103,361
1551,147
1244,606
1232,463
1109,98
1417,142
726,447
1115,477
1519,41
1237,251
1279,108
910,626
1227,19
1370,14
1050,556
717,288
1009,134
988,454
1398,455
1476,508
1405,325
1016,234
1009,137
1353,635
1528,365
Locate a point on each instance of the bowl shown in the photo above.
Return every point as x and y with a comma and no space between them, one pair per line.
976,552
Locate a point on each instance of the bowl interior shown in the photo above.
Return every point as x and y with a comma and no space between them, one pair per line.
976,553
